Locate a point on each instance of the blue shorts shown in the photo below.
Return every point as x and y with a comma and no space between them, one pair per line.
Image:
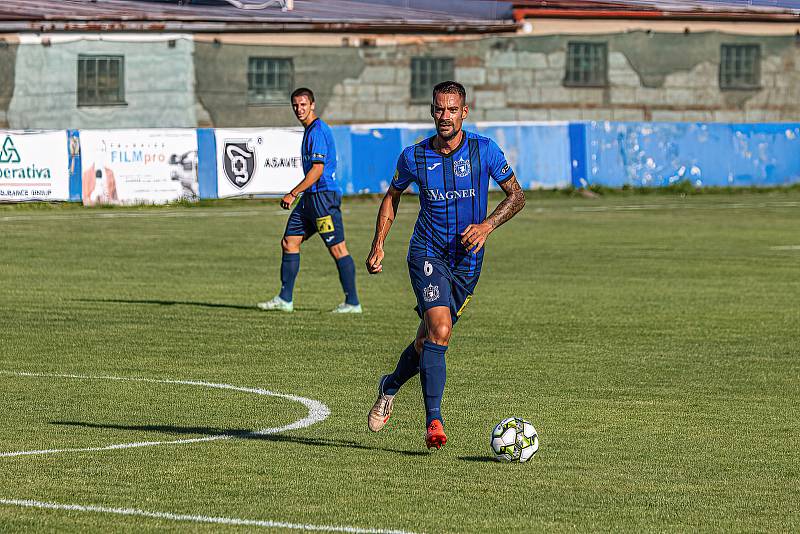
318,212
435,284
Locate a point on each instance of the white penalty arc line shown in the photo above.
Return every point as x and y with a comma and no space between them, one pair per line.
317,412
231,521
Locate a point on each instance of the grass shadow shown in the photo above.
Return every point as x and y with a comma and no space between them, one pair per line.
238,434
158,302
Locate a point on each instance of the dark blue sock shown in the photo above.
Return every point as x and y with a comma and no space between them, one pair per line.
290,265
407,367
432,372
347,275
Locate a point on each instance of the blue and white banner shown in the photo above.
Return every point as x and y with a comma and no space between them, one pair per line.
33,166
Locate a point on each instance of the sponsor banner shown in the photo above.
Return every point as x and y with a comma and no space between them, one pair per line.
138,166
33,166
258,161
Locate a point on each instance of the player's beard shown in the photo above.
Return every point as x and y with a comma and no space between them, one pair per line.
452,134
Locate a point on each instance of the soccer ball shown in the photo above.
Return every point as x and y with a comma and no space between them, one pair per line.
514,440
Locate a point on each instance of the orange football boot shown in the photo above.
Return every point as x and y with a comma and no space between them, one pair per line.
435,437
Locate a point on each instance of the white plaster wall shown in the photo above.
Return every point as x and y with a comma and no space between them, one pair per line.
159,84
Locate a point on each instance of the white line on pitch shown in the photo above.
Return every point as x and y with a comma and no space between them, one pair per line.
785,247
219,212
142,215
232,521
317,412
648,207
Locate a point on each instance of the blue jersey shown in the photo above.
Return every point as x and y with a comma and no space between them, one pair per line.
453,191
318,147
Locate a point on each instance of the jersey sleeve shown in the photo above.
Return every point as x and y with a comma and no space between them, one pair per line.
317,146
403,176
499,168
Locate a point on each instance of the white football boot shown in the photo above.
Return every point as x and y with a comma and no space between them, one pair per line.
277,303
347,308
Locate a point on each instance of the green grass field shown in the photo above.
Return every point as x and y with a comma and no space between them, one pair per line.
653,340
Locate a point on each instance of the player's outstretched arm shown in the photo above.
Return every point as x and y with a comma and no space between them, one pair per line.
310,179
474,236
386,215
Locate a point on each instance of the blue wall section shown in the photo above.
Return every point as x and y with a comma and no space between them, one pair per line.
578,155
539,153
372,153
207,163
75,165
658,154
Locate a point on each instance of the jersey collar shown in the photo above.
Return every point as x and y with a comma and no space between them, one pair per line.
456,149
312,124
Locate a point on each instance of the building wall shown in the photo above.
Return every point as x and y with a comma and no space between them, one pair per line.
652,76
222,80
8,60
159,83
198,81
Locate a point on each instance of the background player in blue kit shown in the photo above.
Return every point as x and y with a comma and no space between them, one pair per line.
317,211
451,170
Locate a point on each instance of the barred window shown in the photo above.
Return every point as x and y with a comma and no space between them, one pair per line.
587,65
269,80
740,67
427,72
101,80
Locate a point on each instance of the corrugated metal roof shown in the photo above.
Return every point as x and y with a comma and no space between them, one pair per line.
701,5
740,10
307,15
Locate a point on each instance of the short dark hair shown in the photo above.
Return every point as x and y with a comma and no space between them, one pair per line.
450,88
302,91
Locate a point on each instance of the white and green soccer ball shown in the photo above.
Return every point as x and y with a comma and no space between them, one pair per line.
514,440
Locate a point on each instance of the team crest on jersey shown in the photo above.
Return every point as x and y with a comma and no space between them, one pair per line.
239,162
462,167
430,293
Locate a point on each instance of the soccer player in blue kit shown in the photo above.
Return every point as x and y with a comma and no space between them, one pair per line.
318,210
451,170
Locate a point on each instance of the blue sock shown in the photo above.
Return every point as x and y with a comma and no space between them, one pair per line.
432,372
290,265
407,367
347,275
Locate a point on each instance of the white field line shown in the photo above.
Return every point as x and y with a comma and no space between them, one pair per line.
785,247
656,207
170,214
232,521
317,412
219,212
190,213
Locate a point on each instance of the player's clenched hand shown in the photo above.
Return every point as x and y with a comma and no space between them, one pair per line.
474,236
286,201
374,260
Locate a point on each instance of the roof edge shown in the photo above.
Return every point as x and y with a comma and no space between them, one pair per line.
521,14
382,27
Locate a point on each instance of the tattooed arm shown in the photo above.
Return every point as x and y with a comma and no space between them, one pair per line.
474,236
386,215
